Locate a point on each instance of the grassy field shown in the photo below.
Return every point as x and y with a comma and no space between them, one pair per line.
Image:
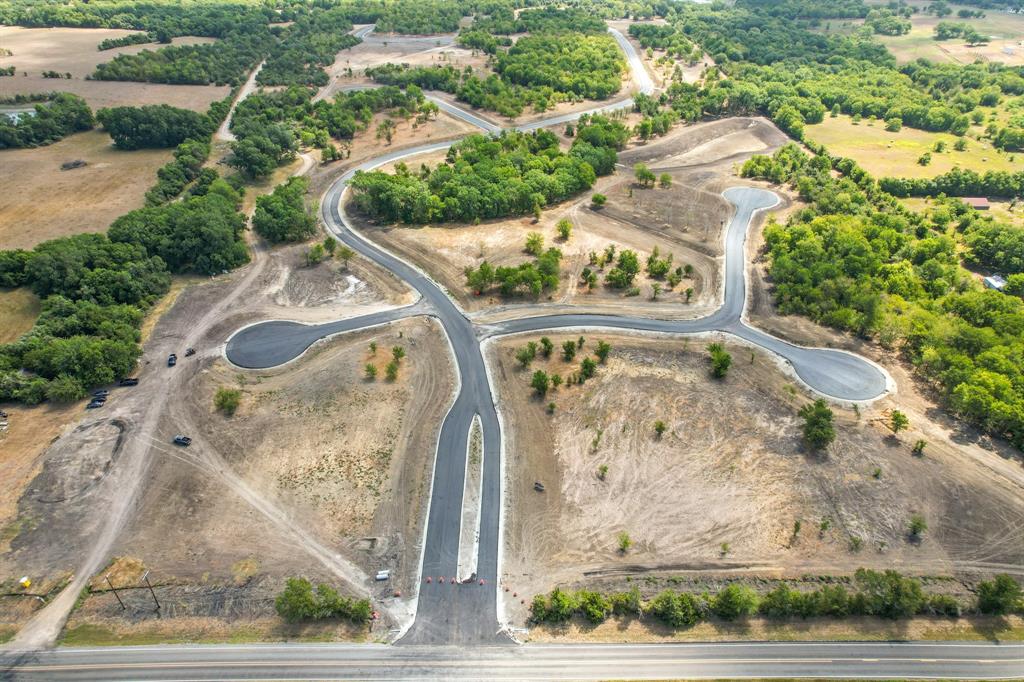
882,153
1005,29
73,50
1000,210
40,201
19,309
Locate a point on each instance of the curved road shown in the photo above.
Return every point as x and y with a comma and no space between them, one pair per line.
463,614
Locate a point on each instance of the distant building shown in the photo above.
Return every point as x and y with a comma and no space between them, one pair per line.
977,203
995,282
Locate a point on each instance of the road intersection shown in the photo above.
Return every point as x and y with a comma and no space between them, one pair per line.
468,613
450,618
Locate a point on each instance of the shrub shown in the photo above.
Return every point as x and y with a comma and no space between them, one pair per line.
227,400
733,602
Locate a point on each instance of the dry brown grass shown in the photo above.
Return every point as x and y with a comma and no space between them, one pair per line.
73,50
19,309
720,490
41,202
1006,30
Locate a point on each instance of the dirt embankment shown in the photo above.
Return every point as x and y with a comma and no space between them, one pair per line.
724,486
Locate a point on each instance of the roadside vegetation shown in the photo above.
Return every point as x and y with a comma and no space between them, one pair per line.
885,594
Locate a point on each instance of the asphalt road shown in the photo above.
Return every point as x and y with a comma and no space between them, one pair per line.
947,660
467,614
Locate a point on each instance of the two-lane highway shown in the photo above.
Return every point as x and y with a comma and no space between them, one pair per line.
945,660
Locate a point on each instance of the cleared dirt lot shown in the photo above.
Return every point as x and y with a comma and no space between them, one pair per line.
73,50
41,202
685,220
722,488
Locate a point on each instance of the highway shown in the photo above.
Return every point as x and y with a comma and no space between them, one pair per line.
946,660
467,614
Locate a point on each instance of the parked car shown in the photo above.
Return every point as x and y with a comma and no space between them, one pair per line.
538,486
129,381
94,405
190,351
172,360
99,399
183,441
102,393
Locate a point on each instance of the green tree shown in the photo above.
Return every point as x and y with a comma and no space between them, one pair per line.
564,227
733,602
898,421
598,200
644,176
391,370
721,360
371,371
540,382
546,347
676,609
917,526
624,541
665,180
602,351
65,389
296,602
534,243
397,353
345,254
282,216
227,400
1000,595
568,350
818,430
659,428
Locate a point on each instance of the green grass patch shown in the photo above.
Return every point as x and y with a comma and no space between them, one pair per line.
883,153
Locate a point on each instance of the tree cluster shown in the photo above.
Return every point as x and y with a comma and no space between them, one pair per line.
416,17
55,119
300,602
885,594
483,177
153,126
282,215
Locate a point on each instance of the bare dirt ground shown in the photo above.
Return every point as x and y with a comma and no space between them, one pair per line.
659,64
313,448
685,220
724,485
73,50
41,202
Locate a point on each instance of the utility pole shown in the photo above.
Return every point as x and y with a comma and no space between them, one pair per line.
145,576
112,589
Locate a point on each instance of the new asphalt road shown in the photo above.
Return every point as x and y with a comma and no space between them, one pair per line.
946,660
448,614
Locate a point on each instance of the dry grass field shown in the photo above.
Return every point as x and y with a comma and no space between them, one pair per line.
40,201
73,50
883,153
1005,29
724,485
19,309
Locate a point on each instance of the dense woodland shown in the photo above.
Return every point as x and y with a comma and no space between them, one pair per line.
482,178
